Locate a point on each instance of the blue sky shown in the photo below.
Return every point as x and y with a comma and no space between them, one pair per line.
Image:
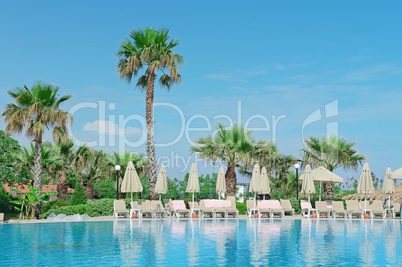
282,59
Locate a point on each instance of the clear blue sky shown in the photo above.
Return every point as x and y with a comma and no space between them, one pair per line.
278,58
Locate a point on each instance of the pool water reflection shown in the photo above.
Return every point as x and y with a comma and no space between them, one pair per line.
203,242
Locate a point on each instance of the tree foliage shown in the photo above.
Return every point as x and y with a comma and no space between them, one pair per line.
8,148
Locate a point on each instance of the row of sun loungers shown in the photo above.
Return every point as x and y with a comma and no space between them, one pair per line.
354,208
213,208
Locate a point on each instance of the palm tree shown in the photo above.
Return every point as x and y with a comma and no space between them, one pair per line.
65,150
96,168
37,109
150,49
331,152
233,146
50,162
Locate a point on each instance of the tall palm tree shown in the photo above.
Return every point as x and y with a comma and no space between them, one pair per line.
150,49
233,146
65,150
37,109
331,152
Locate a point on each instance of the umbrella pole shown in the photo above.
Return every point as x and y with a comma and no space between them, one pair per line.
309,198
365,202
389,206
320,191
131,196
255,195
193,201
160,196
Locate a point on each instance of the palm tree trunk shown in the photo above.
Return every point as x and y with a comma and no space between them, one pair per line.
231,181
62,185
37,173
328,190
90,189
149,101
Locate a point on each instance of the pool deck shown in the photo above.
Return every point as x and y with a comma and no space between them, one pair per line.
111,218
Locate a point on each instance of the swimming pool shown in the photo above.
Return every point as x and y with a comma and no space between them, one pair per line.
202,242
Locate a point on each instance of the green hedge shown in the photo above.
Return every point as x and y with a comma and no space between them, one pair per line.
99,207
242,207
54,204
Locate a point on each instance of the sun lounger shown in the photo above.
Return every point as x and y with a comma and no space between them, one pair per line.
179,208
377,209
263,209
206,211
232,210
219,206
270,208
119,207
145,208
307,209
352,207
322,209
338,209
287,206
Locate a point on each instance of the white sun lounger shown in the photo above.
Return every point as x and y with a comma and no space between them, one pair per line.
119,207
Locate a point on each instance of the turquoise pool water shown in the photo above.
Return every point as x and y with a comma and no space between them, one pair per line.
203,242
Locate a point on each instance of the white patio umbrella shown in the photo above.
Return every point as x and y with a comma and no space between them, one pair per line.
131,182
255,181
308,182
161,183
221,183
388,188
264,188
322,174
365,185
193,185
397,174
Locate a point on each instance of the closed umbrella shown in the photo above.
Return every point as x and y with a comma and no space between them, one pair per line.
193,185
308,182
388,188
131,182
365,185
323,175
221,183
161,183
264,188
255,180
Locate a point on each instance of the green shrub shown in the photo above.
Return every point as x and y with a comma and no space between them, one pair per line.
295,204
242,207
79,196
4,200
54,204
105,188
97,207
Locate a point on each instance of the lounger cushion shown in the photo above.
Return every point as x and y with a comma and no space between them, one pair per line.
216,203
178,205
